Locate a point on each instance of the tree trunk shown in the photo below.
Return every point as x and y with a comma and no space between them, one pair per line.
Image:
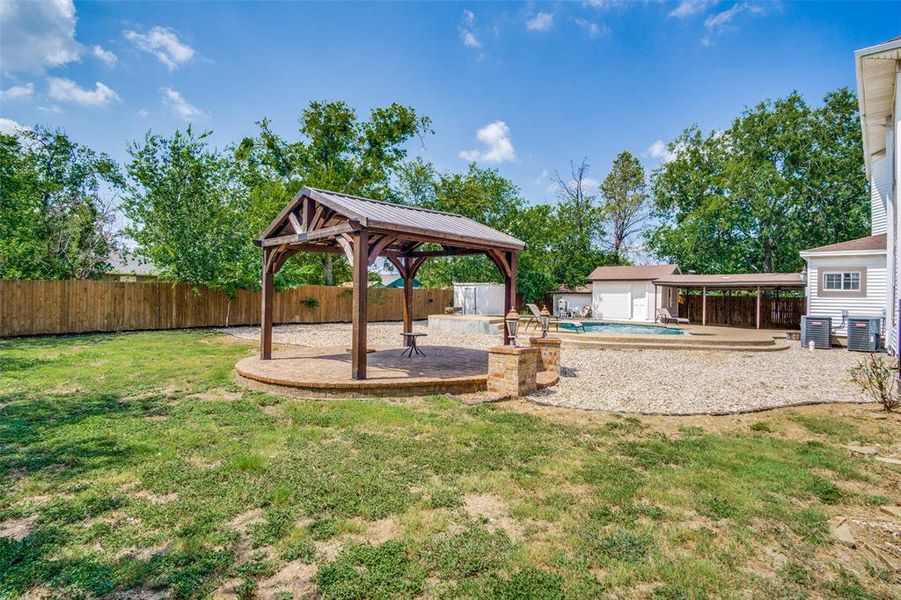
328,273
767,256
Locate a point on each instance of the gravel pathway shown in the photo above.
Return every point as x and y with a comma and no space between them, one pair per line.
674,382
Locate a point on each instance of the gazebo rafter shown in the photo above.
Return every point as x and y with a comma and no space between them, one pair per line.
362,230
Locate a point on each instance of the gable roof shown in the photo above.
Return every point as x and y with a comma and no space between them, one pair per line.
871,243
398,219
632,272
875,71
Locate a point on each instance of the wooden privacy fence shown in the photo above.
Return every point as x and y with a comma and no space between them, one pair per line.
80,306
741,311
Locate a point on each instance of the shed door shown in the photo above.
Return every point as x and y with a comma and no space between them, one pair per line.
615,300
469,300
639,301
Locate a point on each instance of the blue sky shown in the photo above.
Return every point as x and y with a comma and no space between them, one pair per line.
523,87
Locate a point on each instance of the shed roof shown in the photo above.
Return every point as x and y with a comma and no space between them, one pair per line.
736,280
579,289
864,244
632,272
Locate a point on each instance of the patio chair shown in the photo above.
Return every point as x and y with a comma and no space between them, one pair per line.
577,326
664,316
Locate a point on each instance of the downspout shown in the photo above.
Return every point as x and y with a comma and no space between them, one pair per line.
892,154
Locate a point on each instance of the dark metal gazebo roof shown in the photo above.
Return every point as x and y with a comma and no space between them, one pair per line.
405,222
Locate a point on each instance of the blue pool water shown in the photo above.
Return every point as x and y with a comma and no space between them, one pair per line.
628,328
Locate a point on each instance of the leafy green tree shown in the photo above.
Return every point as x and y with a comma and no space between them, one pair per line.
624,202
336,150
783,177
56,207
189,213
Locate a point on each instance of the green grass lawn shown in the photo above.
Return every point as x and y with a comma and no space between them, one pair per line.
133,466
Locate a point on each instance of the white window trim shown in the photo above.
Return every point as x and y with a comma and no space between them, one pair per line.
842,288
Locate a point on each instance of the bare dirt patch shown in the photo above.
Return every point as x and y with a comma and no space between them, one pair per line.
216,395
246,519
168,391
295,578
156,498
17,529
199,462
493,512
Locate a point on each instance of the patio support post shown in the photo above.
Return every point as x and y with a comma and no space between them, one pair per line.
704,305
268,288
360,297
509,291
408,299
758,307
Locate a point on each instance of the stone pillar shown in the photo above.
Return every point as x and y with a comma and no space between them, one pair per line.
548,353
512,370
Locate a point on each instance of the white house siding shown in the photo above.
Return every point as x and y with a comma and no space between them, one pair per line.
894,207
574,302
872,304
879,193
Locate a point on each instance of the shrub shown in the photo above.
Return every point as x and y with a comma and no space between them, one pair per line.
876,377
310,302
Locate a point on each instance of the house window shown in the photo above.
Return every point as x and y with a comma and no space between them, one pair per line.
848,281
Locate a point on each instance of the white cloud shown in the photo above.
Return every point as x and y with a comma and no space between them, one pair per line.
9,127
66,90
184,109
18,92
142,113
467,32
660,151
470,40
163,43
723,20
690,8
107,56
51,108
541,22
499,148
37,35
591,28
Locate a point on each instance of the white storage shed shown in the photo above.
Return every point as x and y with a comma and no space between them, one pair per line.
628,293
479,298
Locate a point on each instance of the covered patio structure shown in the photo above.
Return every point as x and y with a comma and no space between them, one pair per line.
363,229
779,313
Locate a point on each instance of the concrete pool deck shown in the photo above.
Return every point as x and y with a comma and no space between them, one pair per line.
725,339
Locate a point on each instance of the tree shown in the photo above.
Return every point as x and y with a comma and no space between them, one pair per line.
625,202
56,207
188,212
783,177
336,151
578,227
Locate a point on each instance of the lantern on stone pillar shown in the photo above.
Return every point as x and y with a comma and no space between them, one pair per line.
512,323
544,317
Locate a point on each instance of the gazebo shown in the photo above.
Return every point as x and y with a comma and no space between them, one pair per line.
363,229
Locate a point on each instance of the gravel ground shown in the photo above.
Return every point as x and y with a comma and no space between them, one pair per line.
644,381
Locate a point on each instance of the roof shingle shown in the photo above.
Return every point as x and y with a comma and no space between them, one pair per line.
871,242
632,272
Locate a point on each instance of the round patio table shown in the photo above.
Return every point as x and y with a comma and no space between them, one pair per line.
412,347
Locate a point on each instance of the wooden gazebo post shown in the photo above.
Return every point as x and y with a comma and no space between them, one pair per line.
509,292
408,299
360,303
268,291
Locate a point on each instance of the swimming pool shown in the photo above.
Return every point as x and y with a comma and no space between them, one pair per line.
626,328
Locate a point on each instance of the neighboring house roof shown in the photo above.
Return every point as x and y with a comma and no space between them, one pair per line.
398,282
632,272
871,243
876,92
736,280
579,289
129,265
